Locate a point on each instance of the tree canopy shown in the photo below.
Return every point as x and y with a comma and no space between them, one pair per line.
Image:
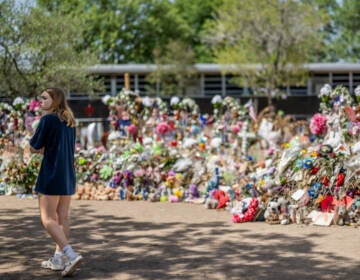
128,31
174,70
52,42
266,41
38,50
345,45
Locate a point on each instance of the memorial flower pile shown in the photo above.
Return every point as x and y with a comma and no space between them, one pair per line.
257,166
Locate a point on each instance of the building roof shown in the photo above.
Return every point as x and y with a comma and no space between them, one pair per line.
214,68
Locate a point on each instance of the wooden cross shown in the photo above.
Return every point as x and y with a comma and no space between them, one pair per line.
127,81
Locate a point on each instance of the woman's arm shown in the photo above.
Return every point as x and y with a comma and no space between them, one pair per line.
34,151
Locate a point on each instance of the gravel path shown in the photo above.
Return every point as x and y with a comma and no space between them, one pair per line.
143,240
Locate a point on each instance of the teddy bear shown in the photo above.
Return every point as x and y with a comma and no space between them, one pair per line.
343,217
129,193
154,195
354,212
277,211
211,203
272,212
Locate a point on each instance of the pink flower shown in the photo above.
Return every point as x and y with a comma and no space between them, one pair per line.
162,128
33,105
318,124
235,129
132,129
354,128
139,172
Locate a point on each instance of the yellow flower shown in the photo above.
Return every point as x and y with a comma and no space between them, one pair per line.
314,154
178,193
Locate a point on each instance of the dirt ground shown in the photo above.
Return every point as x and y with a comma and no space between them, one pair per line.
143,240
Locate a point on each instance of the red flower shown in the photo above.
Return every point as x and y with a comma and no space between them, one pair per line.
325,181
340,179
314,170
327,204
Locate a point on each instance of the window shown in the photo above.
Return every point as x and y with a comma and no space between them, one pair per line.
212,85
318,81
232,89
298,90
142,84
340,79
356,80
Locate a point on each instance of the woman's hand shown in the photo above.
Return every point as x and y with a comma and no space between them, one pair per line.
34,151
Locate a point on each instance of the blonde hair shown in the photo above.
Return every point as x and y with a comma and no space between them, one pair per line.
60,106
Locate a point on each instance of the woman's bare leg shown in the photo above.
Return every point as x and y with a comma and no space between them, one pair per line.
48,205
63,216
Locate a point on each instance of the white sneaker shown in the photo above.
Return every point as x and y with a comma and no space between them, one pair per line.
53,264
71,266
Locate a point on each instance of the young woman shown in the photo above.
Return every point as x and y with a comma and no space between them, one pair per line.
55,138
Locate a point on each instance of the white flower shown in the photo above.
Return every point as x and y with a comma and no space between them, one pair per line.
334,94
18,100
188,102
216,99
106,99
357,91
174,100
126,91
189,142
215,142
147,102
6,106
325,90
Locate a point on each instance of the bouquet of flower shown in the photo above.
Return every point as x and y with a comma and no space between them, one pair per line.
22,174
318,124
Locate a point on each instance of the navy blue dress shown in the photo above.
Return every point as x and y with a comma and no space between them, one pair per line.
57,172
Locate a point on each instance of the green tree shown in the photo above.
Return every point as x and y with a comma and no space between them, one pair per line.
329,31
128,31
125,31
196,13
266,42
174,70
39,50
345,45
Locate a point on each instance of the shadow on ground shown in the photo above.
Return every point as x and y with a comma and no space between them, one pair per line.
123,248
